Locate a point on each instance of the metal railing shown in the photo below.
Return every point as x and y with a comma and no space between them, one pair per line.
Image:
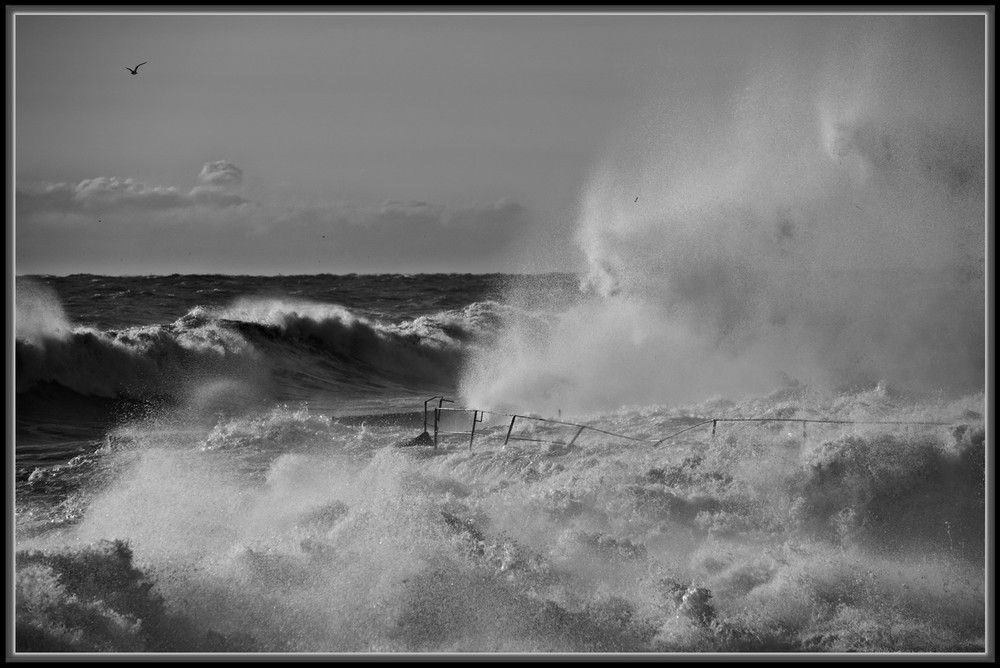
478,416
715,421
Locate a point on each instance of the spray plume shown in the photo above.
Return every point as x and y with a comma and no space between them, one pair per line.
827,225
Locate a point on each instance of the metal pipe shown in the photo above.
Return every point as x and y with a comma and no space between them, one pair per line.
479,415
437,417
425,411
510,429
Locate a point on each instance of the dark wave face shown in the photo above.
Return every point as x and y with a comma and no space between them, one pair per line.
136,362
294,343
206,471
88,346
113,302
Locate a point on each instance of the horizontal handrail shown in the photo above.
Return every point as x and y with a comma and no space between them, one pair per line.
478,416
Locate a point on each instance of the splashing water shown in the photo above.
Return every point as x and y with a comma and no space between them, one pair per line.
39,313
828,227
292,532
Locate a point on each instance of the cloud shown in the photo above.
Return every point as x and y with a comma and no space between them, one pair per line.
104,192
215,198
411,214
408,213
503,211
217,179
220,174
99,194
107,194
101,220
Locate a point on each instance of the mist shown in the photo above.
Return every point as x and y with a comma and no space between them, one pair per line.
825,227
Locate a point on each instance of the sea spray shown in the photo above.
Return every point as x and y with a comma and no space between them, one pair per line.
263,526
827,235
39,314
292,531
827,227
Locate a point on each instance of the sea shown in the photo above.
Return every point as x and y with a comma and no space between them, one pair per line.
494,464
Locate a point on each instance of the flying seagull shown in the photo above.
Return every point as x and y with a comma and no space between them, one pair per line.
135,70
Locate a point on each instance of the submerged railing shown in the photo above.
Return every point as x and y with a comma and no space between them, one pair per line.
478,416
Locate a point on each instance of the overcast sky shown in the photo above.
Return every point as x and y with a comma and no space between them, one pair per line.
347,143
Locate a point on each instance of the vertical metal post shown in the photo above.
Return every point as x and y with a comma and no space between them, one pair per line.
803,430
437,416
510,429
472,434
425,410
714,422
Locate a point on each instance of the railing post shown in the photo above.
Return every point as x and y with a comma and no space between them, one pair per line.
437,416
714,422
472,434
510,429
425,410
803,430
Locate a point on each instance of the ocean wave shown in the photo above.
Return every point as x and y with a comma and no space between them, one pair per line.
134,362
753,538
299,346
426,350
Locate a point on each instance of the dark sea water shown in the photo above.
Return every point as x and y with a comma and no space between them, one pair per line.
89,347
216,464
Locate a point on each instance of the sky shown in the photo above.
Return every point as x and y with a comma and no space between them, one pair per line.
335,142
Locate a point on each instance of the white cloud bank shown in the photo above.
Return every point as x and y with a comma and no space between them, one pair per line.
221,174
110,223
111,193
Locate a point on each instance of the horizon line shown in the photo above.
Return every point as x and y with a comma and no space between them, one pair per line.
323,273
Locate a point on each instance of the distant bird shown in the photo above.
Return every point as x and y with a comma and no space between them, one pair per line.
135,70
636,200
